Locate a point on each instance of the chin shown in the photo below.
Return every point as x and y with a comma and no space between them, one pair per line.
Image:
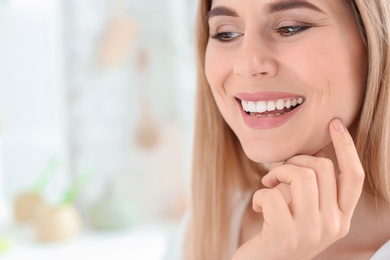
265,155
269,154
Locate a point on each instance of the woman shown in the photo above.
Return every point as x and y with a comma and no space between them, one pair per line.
276,174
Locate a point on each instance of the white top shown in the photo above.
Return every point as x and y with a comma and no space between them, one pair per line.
240,203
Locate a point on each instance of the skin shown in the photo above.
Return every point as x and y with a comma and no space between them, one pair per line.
326,64
321,206
312,156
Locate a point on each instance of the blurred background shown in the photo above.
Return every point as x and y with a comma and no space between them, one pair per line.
96,118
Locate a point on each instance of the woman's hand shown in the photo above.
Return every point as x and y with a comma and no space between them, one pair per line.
321,208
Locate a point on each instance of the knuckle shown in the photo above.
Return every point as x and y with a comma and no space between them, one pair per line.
344,226
337,227
257,195
355,174
257,198
344,229
264,197
359,174
332,228
272,194
307,174
326,164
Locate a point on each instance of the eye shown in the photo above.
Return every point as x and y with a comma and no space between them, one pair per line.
225,36
287,31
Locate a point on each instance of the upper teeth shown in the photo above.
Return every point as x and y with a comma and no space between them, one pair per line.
270,105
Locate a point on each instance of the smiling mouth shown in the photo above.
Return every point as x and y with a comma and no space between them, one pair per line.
269,108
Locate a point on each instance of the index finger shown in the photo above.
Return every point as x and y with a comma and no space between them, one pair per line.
351,177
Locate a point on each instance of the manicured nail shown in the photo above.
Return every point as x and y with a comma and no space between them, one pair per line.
338,125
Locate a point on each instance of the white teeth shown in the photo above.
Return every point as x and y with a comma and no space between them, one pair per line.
244,105
261,107
251,106
287,104
280,104
270,105
294,102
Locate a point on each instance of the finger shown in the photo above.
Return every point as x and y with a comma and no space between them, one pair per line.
284,189
303,187
351,177
273,206
326,178
320,154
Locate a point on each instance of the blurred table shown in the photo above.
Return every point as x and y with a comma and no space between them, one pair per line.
147,242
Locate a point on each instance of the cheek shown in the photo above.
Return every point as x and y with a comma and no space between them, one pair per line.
217,66
347,80
335,78
215,71
211,67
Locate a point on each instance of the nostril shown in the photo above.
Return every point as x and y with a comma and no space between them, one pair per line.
255,70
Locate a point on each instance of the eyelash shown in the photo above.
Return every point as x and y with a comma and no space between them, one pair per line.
284,31
225,37
287,31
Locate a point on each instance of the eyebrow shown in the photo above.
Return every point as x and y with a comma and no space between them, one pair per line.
271,8
221,11
289,5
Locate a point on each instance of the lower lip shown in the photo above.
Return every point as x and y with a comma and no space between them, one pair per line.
267,122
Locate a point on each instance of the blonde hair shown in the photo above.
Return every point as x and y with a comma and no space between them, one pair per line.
220,166
373,135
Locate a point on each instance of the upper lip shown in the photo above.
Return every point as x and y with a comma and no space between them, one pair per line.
264,96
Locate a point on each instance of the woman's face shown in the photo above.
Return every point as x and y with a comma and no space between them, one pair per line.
279,72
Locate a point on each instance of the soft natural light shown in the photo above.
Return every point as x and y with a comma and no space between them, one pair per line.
95,146
33,4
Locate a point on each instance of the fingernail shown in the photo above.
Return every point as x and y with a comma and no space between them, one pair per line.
338,125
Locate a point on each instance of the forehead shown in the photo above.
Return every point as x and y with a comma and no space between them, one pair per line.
278,6
265,3
335,8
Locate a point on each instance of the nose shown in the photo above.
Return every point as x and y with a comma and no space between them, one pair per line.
255,59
